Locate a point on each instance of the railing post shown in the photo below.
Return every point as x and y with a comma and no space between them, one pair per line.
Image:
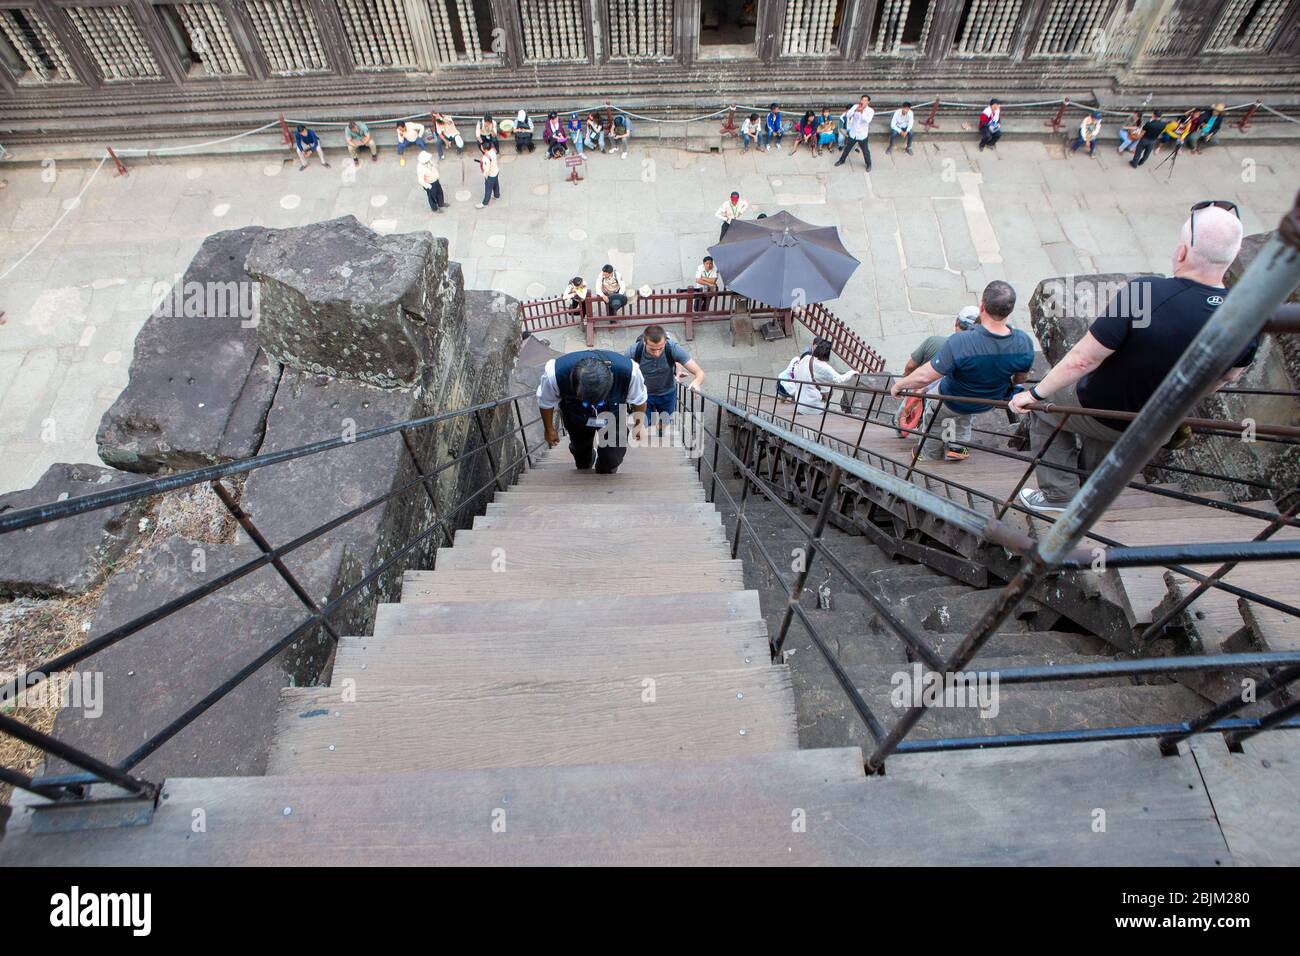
823,513
717,439
487,448
1033,464
590,322
746,475
523,434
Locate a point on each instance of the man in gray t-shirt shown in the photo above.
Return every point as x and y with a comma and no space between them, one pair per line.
659,357
967,318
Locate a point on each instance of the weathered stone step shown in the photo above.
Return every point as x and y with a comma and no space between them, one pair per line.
674,523
594,498
702,715
1028,709
550,507
454,584
1027,643
736,811
540,655
576,610
580,551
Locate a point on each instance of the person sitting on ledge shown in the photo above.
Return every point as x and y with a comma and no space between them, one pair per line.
1127,352
983,362
991,124
409,134
803,379
306,142
446,134
557,143
524,132
575,295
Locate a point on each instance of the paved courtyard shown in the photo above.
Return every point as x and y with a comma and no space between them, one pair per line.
931,229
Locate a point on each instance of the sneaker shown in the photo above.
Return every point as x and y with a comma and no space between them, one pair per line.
301,168
325,164
909,151
401,160
1033,499
374,157
888,150
356,161
839,162
956,453
479,205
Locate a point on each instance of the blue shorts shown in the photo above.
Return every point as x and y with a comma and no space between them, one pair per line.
665,404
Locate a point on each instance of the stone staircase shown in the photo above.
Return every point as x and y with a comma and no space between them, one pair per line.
584,679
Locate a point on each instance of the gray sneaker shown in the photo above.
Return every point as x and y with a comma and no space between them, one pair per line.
1033,498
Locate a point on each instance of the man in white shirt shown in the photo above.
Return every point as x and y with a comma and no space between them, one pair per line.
802,379
408,135
706,280
857,124
901,125
589,388
729,211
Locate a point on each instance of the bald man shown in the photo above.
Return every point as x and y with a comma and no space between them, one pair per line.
1128,351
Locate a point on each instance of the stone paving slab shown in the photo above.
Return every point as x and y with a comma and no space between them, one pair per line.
930,229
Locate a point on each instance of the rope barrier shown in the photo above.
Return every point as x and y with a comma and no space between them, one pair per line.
90,179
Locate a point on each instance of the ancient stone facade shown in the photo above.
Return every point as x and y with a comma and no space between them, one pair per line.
317,56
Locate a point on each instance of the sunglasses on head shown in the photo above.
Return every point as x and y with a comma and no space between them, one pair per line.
1206,204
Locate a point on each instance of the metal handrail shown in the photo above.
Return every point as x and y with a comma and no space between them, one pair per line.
1239,551
94,770
991,531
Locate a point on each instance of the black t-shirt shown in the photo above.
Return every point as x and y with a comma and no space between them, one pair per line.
1149,324
1154,128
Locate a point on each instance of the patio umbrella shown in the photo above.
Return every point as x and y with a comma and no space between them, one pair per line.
783,261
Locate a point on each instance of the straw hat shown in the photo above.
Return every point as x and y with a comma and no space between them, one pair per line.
507,127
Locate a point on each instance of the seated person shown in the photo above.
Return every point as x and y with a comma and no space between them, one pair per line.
825,132
619,134
610,289
706,280
805,132
1128,351
410,134
809,379
1210,122
446,134
575,295
595,132
524,132
983,362
485,130
557,142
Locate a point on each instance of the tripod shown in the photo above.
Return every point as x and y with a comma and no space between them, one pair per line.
1171,159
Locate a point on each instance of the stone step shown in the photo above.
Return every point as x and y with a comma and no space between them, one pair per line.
578,552
453,584
1045,644
459,724
577,610
594,499
676,523
1029,709
736,811
569,654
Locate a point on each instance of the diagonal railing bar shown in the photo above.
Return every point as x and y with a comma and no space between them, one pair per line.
41,514
1275,681
188,717
73,657
78,758
1276,718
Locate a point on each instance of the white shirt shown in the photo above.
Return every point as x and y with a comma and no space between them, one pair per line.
803,370
858,121
727,212
902,123
412,132
548,393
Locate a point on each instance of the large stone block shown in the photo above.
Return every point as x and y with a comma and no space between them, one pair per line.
492,346
71,555
289,499
1062,308
156,674
341,299
199,386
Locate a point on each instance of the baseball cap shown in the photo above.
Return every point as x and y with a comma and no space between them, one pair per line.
968,317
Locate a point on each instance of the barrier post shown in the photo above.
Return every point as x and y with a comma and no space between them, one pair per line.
729,127
121,169
284,131
1244,123
1055,121
931,121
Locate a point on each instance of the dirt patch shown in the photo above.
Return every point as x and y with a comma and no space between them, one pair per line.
33,630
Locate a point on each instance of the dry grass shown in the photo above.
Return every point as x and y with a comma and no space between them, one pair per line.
33,630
